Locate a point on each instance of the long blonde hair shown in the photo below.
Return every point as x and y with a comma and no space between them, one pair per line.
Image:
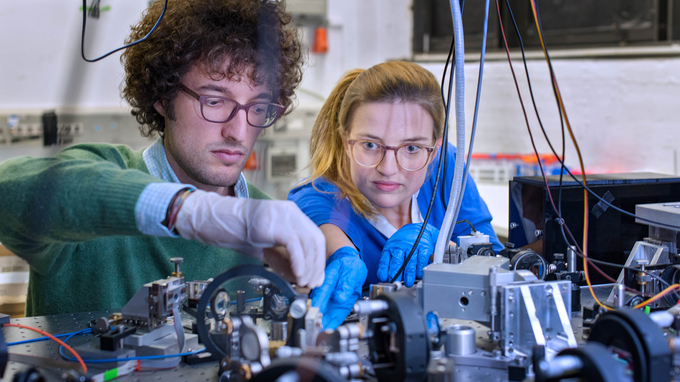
395,81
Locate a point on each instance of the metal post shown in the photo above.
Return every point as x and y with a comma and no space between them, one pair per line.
571,259
620,296
493,287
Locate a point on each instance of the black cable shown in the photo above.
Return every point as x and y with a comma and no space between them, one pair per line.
466,172
563,167
614,265
561,160
676,296
441,164
445,141
82,40
472,228
452,58
427,215
440,170
540,122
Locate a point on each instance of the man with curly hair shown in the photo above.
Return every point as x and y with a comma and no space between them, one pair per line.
97,221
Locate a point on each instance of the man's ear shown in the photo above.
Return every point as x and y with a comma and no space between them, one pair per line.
158,105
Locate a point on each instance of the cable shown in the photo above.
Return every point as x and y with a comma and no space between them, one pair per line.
38,339
558,210
251,300
472,228
625,267
82,40
440,169
563,118
585,191
578,151
658,296
57,340
140,358
451,57
429,209
451,214
561,159
474,118
446,108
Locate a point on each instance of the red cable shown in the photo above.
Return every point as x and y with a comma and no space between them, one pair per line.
531,136
62,343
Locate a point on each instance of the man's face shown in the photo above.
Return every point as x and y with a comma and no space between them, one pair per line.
206,154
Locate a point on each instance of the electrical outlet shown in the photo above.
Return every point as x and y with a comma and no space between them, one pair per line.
70,129
30,130
17,131
77,128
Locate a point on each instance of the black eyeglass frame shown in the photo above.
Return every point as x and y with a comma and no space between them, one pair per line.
352,142
201,99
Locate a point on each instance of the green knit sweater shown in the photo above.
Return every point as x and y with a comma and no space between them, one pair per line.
72,218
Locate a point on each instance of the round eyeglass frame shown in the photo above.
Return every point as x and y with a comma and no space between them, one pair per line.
352,142
201,99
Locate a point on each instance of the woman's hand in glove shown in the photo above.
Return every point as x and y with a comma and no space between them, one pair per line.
345,276
399,246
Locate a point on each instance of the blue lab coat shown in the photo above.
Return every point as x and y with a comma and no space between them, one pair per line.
322,204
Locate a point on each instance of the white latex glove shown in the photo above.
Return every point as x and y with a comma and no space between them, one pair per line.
251,225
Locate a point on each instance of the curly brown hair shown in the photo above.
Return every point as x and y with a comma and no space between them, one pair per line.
254,35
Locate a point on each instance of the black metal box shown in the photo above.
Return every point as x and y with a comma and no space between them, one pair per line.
611,234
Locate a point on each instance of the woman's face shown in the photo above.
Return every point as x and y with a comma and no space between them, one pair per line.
388,186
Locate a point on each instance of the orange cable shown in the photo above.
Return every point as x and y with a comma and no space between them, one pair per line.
578,152
658,296
62,343
583,174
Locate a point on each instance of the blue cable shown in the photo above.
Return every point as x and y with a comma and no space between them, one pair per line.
83,331
109,360
88,330
40,339
251,300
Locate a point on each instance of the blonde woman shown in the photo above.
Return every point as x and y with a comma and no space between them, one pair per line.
374,152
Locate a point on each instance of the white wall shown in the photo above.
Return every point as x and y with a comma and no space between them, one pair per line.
361,33
40,45
623,111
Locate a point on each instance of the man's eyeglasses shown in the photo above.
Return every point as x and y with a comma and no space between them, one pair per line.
409,156
221,109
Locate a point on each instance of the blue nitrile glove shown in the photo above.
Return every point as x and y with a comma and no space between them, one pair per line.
399,246
344,277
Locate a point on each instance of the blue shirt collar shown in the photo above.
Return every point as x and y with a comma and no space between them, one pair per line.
158,165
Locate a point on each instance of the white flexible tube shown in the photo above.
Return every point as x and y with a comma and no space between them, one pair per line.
457,184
